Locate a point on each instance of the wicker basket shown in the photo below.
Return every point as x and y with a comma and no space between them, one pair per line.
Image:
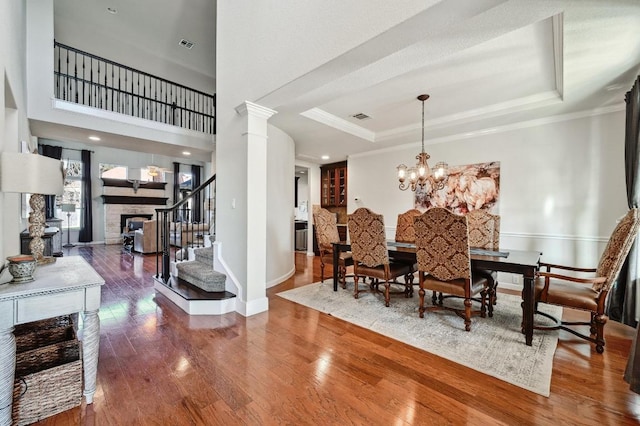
43,333
48,378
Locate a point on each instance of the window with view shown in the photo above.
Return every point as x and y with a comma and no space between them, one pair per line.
72,193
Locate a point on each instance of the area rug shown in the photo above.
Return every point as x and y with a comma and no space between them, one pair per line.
494,346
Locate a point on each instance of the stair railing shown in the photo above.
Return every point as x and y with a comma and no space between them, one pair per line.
175,238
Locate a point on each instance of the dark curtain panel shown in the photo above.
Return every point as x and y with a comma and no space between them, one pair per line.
86,231
50,200
197,199
621,304
176,188
622,300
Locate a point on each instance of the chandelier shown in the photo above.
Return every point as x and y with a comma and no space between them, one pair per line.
421,173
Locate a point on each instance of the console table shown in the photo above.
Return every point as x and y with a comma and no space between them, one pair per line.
67,286
52,242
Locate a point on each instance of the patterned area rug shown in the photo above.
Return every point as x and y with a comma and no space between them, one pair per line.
494,346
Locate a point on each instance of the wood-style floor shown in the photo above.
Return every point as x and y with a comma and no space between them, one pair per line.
295,366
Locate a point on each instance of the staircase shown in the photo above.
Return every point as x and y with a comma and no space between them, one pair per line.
200,273
192,275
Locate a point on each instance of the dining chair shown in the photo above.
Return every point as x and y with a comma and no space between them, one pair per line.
587,293
404,226
371,255
444,264
406,234
327,233
484,233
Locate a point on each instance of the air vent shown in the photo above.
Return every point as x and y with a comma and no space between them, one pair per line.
186,43
361,116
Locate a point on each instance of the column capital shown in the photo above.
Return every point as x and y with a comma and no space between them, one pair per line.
255,110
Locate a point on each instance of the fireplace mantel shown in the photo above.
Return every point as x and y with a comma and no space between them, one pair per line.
121,183
121,199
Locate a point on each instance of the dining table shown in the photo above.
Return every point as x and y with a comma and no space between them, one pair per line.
520,262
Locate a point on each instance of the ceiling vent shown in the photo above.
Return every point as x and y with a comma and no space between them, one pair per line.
361,116
186,43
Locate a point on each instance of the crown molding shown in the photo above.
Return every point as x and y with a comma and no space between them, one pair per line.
338,123
501,129
557,22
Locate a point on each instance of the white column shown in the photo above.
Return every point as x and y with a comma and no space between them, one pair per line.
255,138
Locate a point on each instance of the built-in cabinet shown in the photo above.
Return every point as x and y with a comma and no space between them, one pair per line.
333,184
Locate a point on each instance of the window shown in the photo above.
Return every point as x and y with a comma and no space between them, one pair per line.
184,180
72,192
113,171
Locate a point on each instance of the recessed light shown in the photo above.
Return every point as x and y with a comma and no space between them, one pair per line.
186,153
325,157
94,138
112,10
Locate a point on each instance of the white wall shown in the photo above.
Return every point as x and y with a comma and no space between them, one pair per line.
253,42
14,126
280,195
562,183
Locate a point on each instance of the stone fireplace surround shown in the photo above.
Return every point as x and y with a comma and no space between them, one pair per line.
114,212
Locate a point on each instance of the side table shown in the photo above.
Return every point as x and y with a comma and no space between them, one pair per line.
67,286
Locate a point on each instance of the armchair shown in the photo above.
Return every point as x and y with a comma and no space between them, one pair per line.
590,293
144,239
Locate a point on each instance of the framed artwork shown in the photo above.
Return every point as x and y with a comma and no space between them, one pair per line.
469,187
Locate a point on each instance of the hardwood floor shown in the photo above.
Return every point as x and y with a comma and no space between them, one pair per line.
293,365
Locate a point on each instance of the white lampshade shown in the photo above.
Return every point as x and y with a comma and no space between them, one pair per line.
30,174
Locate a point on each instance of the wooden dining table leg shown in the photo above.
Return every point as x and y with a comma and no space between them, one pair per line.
336,261
528,306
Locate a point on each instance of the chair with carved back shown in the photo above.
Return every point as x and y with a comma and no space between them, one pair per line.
587,293
327,233
371,255
404,227
484,233
406,234
444,264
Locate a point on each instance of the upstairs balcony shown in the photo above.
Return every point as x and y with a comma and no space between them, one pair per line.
86,79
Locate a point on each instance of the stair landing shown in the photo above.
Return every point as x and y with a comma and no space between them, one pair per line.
194,300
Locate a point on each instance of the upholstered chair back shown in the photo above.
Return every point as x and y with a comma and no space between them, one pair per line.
368,241
617,250
484,229
442,244
326,229
404,228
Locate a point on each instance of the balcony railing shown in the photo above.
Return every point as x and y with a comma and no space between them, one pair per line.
87,79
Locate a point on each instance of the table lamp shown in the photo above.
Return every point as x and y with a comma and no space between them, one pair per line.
68,208
36,175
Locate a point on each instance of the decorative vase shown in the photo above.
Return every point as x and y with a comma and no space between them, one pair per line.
21,267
